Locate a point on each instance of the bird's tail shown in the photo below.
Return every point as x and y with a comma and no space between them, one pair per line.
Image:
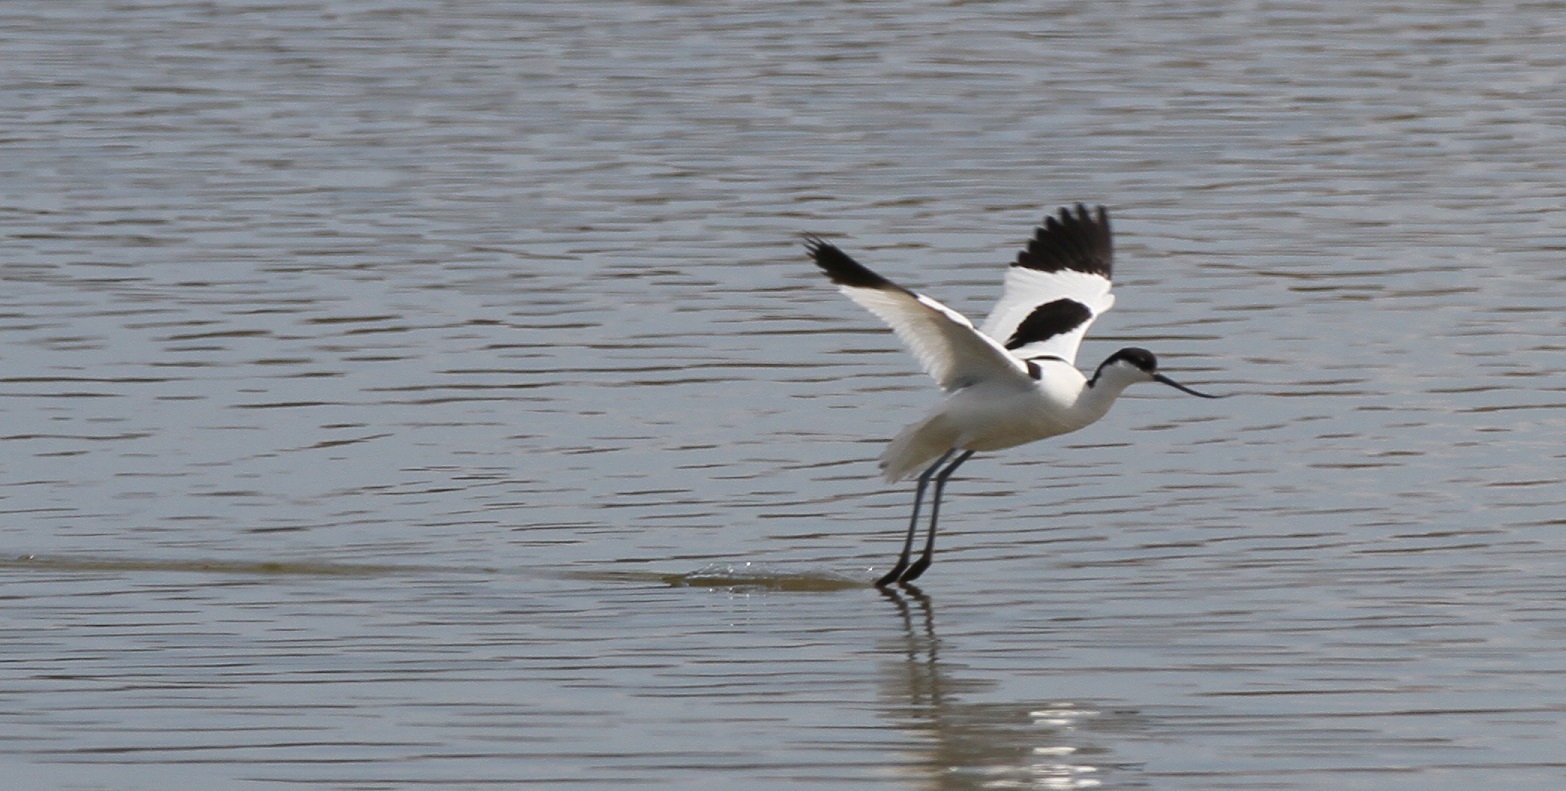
916,446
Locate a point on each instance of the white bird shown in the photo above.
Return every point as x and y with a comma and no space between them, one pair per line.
1011,381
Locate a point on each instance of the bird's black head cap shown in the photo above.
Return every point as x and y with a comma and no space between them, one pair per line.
1141,358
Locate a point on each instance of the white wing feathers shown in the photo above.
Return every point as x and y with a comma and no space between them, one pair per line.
1027,292
944,341
1058,285
1053,292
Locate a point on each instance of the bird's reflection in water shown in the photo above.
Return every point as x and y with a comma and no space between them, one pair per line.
977,745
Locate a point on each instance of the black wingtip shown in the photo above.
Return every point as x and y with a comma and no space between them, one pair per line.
1077,238
842,270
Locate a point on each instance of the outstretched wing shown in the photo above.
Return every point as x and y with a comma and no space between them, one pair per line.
1056,287
946,343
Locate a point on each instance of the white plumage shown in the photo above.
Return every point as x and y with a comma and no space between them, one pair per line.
1026,289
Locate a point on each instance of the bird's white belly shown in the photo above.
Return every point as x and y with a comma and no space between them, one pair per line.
986,420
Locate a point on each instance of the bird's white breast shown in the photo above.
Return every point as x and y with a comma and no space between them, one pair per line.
992,416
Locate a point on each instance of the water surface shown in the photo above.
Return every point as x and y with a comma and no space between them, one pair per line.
396,396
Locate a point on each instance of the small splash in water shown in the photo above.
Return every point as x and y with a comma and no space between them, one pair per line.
756,577
740,577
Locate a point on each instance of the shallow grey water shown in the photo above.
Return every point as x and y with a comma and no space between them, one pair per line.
398,396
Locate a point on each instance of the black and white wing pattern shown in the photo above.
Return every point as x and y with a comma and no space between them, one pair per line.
944,341
1057,286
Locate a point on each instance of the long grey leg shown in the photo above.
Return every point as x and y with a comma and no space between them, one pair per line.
928,555
913,523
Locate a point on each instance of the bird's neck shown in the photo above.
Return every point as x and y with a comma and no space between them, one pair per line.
1099,395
